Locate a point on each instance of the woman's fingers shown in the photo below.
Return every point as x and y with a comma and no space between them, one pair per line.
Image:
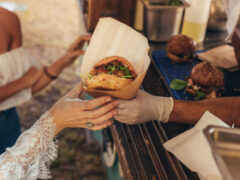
102,119
92,104
78,44
96,113
96,122
102,126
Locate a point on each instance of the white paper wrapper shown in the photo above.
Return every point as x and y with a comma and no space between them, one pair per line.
193,150
113,38
222,56
232,8
13,65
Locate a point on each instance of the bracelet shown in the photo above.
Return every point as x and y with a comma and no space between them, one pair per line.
49,75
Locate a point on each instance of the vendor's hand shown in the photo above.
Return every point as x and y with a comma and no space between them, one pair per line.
70,55
145,107
31,76
70,111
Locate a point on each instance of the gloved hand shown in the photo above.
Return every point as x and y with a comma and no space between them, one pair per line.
145,107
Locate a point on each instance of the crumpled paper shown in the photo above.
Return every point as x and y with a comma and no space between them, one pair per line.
222,56
13,65
232,8
193,150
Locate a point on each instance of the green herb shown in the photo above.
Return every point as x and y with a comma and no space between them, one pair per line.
186,56
178,84
175,2
128,77
86,76
200,95
113,68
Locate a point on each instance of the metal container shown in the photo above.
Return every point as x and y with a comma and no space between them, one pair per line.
161,21
225,145
217,17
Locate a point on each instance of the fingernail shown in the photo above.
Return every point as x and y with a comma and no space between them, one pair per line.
115,103
108,99
114,112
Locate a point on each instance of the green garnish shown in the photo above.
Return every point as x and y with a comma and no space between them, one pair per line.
112,68
129,76
200,95
175,2
86,76
178,84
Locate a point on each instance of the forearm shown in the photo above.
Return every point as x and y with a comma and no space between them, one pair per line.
54,70
41,83
227,109
12,88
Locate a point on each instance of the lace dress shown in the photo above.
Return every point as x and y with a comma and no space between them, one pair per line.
32,153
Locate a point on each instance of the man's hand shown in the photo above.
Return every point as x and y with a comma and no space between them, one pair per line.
144,108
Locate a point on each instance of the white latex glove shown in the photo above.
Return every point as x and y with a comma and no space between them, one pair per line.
145,107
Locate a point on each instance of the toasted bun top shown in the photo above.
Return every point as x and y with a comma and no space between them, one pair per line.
180,44
122,60
207,74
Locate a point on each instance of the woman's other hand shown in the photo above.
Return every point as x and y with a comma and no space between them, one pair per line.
70,111
75,50
31,76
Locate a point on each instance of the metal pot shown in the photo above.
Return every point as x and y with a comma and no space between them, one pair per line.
217,16
161,21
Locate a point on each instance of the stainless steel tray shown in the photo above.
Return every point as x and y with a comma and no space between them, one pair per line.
225,145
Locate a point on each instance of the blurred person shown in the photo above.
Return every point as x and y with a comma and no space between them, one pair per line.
34,79
35,149
146,107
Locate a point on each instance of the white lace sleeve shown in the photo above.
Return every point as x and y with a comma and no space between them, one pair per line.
32,154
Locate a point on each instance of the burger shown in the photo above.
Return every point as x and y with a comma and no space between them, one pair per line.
206,81
180,48
110,74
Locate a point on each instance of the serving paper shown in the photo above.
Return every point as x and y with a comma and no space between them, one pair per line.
193,150
222,56
113,38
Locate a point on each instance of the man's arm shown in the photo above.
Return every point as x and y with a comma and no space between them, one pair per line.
146,107
226,108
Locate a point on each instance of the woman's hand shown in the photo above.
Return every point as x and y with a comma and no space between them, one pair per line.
70,55
70,111
75,50
31,76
